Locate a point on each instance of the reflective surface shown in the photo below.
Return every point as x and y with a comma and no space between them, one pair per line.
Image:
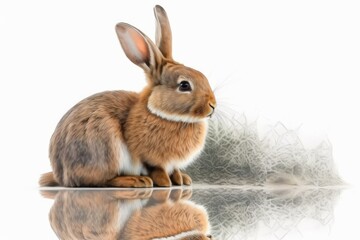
200,212
127,214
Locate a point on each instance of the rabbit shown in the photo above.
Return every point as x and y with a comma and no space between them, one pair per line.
128,139
140,214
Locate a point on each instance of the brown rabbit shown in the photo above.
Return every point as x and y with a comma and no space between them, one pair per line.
127,139
130,215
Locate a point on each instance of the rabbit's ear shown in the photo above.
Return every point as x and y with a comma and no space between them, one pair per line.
163,32
137,46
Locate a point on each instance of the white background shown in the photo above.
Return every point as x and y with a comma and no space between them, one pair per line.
297,62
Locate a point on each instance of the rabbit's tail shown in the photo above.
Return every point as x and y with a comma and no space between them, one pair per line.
47,180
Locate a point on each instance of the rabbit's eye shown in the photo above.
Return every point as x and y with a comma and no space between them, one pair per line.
184,86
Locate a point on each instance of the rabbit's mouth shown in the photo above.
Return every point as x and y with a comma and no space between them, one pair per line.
212,110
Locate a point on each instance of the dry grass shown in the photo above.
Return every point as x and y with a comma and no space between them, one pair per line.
235,154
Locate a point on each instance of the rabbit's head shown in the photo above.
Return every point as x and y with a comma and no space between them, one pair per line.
174,92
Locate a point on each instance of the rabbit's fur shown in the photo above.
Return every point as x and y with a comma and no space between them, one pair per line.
127,139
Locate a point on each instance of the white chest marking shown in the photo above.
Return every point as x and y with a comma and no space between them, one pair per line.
172,116
126,165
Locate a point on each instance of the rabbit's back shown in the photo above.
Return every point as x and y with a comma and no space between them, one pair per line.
85,147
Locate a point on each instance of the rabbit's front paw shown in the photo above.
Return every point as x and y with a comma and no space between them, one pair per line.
160,177
186,179
176,177
180,178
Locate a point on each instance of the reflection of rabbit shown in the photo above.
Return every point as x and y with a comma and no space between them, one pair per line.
129,215
92,214
168,218
111,138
